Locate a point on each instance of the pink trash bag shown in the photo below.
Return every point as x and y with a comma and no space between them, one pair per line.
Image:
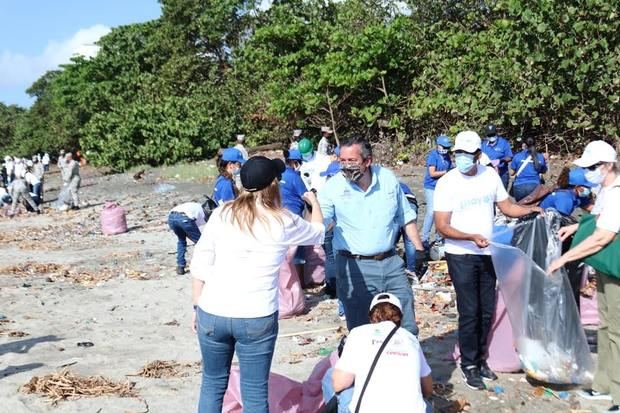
314,269
291,297
503,356
113,219
589,310
285,395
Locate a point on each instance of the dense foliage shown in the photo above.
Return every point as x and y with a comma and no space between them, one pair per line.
179,87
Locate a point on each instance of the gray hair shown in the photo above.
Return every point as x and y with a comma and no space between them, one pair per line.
365,148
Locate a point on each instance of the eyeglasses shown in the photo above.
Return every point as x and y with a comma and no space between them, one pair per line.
593,167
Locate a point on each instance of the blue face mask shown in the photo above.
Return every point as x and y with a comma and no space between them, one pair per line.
492,139
464,162
585,192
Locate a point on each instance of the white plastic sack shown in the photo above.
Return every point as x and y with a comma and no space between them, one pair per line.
64,198
551,342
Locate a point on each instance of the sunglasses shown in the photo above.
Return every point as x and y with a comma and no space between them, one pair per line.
593,167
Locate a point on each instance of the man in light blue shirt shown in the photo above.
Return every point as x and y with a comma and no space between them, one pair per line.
369,209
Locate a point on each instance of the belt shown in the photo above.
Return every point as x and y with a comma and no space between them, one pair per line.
377,257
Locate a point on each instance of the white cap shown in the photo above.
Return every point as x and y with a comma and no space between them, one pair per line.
29,163
7,158
467,141
326,129
596,152
240,137
297,132
385,298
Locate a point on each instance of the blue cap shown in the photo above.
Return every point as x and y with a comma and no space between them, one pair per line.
232,155
444,141
294,155
332,169
577,177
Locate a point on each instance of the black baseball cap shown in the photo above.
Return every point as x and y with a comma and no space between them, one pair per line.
259,172
490,130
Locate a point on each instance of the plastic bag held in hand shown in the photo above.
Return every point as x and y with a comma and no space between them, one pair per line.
551,342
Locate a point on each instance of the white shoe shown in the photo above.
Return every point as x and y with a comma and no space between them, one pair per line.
590,394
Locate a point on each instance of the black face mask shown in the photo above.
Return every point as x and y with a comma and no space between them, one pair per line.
352,172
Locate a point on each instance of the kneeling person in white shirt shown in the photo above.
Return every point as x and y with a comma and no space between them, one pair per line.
401,379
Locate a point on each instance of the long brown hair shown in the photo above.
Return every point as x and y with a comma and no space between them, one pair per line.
562,182
244,209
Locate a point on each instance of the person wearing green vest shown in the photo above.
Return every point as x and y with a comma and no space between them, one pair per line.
596,241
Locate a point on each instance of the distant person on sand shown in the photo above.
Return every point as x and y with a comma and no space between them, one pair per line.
61,159
235,270
71,177
229,165
240,146
18,190
295,140
187,221
46,162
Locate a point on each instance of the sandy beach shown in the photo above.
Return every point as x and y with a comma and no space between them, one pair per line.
62,282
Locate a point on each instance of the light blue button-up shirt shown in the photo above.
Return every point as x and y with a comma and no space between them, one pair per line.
366,222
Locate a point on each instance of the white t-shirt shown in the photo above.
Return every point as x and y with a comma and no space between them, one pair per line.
31,179
241,148
395,383
193,210
240,270
471,200
609,217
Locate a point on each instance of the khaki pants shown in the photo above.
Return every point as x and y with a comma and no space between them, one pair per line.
607,377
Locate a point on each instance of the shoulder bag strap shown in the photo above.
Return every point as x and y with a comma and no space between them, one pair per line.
372,367
523,165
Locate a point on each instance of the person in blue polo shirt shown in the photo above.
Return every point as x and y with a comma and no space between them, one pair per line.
292,188
527,166
497,147
438,163
572,193
229,166
368,208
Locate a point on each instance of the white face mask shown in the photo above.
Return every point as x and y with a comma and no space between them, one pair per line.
596,176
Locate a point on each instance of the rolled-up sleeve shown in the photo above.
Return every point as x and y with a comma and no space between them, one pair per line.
302,232
327,204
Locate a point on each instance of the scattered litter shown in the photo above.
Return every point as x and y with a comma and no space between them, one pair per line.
325,351
320,339
162,188
12,333
66,385
163,368
172,323
85,344
498,390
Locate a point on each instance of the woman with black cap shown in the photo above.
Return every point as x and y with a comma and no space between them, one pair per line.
235,283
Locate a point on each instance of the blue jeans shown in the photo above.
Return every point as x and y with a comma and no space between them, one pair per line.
522,190
360,280
429,217
37,190
409,253
254,340
505,179
345,396
183,228
330,260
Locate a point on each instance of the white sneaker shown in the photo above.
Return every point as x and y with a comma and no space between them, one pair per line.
590,394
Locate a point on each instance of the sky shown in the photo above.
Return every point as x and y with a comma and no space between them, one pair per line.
38,35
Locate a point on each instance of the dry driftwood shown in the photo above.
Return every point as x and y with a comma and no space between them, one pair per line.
66,385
